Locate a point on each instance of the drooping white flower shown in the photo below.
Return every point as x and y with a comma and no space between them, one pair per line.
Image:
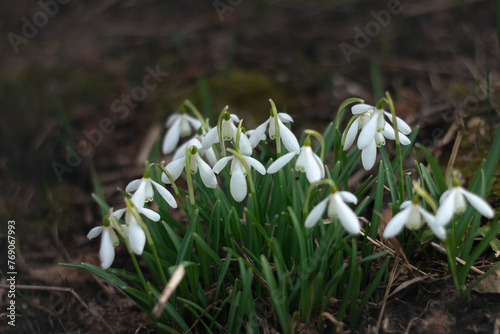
336,207
453,201
374,129
179,125
133,230
144,190
411,216
238,183
109,241
228,130
287,137
176,167
208,153
307,162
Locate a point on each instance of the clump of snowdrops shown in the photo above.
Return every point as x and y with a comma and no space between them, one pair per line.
272,234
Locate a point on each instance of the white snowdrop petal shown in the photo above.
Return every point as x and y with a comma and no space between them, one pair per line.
369,155
234,118
171,119
256,164
438,230
347,217
154,216
195,123
348,197
368,133
429,218
284,117
172,136
94,232
107,251
404,140
245,145
136,238
388,132
445,211
281,162
210,138
403,127
361,108
479,203
258,133
132,186
396,224
175,169
139,196
167,196
219,165
119,213
288,138
316,213
206,173
351,134
210,155
405,204
238,185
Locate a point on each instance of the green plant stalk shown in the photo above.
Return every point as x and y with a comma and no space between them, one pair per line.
189,177
398,146
197,113
450,246
276,128
138,218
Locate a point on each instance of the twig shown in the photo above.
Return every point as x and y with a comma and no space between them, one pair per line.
391,251
459,260
171,286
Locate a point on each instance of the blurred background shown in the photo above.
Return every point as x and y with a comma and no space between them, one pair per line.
87,86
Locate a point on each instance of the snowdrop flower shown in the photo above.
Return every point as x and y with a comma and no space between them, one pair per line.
374,129
453,201
238,183
336,207
133,230
227,128
144,190
180,125
307,162
193,149
208,153
287,137
411,216
109,241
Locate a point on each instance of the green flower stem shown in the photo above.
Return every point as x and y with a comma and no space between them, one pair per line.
196,112
450,245
149,238
219,130
118,227
425,195
321,140
276,128
399,158
342,108
189,177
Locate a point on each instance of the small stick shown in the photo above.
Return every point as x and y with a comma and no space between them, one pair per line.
459,260
171,286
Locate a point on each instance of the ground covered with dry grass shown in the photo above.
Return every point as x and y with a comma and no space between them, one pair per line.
65,112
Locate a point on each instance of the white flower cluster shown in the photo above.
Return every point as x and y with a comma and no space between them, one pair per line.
198,155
